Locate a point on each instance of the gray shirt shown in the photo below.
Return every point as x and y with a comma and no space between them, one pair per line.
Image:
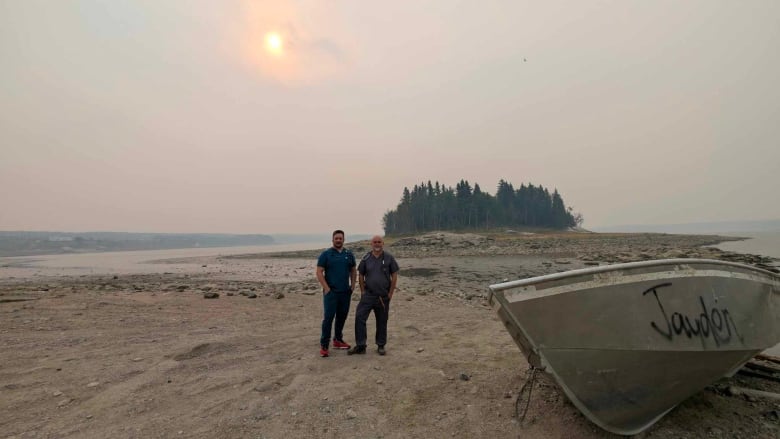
377,272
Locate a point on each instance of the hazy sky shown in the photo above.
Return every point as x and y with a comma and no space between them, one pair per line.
177,116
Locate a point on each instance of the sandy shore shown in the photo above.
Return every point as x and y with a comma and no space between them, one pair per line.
145,355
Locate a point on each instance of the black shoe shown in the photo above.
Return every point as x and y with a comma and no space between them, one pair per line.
356,350
381,350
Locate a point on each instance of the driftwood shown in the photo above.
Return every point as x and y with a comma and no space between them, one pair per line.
763,367
768,358
761,375
733,390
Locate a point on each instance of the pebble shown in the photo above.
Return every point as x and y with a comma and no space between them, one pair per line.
57,393
252,296
420,350
464,376
138,359
210,295
63,403
351,414
93,384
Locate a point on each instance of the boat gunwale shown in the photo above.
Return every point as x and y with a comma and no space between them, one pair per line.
625,266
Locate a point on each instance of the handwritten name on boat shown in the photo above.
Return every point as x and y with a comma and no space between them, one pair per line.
714,324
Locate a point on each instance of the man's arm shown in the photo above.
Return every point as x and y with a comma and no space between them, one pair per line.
352,277
321,279
362,277
393,282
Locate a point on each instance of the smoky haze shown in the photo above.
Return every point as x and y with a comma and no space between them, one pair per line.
173,117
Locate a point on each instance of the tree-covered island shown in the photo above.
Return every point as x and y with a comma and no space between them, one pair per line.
433,206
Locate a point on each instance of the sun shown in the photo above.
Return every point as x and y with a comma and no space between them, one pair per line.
274,43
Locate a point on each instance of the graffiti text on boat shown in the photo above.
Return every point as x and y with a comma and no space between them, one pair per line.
716,324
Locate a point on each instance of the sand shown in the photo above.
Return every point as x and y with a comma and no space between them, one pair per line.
144,355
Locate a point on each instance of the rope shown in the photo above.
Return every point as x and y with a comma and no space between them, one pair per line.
529,383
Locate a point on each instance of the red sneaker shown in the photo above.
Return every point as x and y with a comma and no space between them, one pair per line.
340,345
323,352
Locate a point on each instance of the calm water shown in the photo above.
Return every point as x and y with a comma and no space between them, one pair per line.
128,262
760,243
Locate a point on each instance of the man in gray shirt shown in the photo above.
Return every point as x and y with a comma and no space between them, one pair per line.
378,275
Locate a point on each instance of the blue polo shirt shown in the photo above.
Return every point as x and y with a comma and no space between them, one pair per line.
337,265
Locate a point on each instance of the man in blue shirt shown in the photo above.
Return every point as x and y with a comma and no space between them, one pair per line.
336,274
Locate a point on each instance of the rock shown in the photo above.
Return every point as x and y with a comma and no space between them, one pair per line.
57,393
230,293
252,296
464,376
772,414
409,298
279,296
137,359
310,293
351,414
420,350
210,295
63,403
93,384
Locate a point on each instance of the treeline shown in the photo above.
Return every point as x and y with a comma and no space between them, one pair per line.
430,207
24,243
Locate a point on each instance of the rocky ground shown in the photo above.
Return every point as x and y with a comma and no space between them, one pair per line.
149,356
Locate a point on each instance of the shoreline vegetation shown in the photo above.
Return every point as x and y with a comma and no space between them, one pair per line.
148,355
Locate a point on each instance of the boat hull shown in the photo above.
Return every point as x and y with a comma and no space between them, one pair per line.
626,343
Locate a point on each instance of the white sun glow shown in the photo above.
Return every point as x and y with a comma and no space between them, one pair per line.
274,44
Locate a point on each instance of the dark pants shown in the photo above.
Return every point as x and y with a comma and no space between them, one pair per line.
381,307
336,305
